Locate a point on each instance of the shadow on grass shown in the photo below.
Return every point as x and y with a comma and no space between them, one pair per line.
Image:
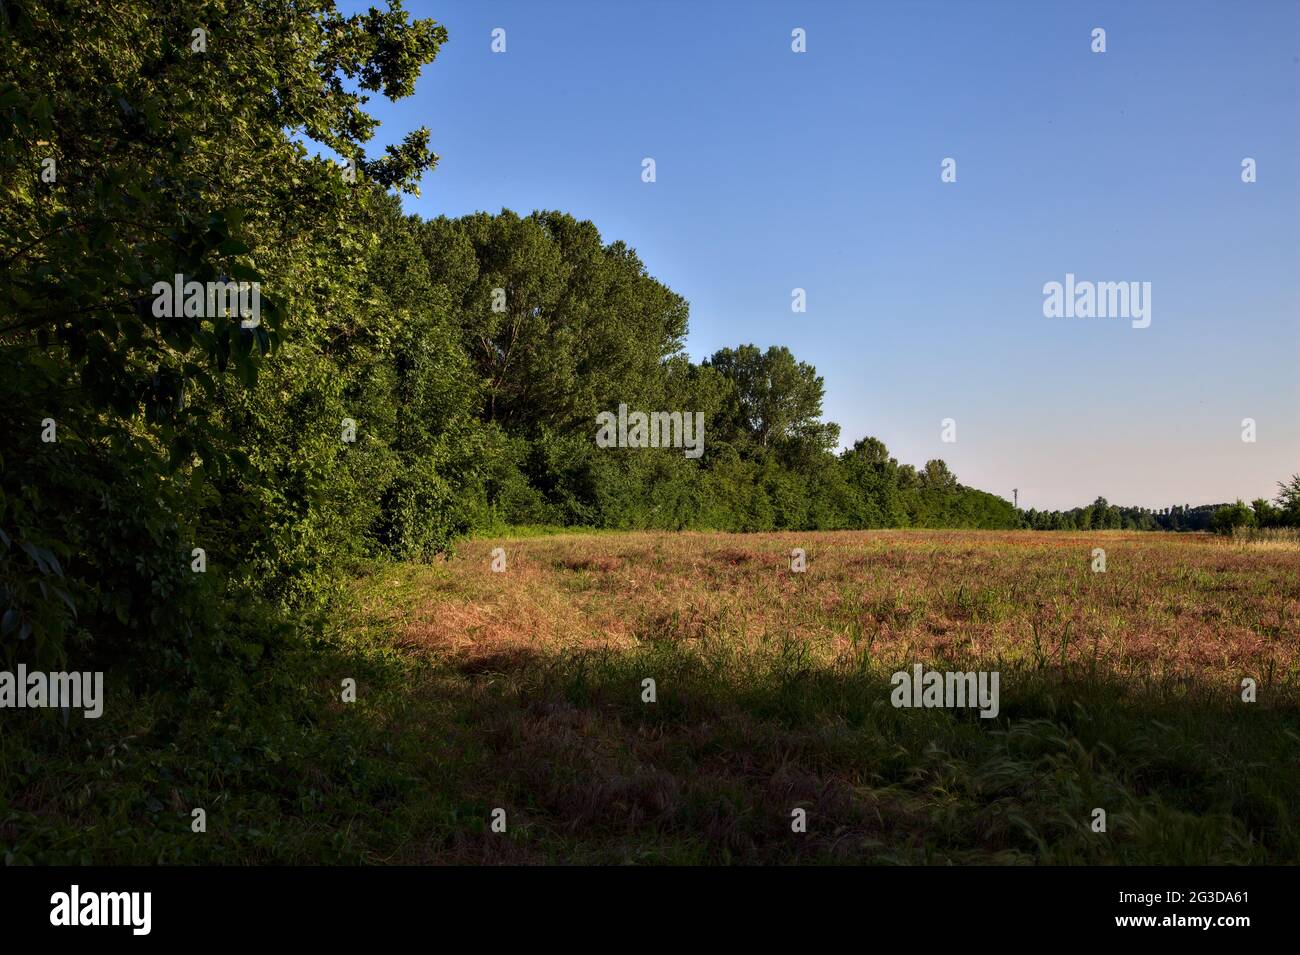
712,771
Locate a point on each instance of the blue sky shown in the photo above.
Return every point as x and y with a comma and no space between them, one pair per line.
821,170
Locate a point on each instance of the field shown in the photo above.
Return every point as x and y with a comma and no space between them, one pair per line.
523,691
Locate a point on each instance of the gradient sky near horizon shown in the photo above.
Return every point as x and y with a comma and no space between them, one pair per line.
821,170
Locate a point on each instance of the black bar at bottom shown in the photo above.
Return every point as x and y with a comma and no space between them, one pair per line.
336,904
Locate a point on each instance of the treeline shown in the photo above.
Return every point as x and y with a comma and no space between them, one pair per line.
1102,515
559,327
1283,511
184,484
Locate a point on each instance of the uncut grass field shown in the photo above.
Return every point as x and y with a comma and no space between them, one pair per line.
522,691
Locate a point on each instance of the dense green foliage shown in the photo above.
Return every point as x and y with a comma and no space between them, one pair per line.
559,327
162,140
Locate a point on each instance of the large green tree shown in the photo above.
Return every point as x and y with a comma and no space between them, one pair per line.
138,142
558,324
776,403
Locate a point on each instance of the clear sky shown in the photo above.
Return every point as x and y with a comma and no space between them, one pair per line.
821,170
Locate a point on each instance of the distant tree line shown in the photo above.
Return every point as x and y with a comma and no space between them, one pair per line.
558,327
1284,511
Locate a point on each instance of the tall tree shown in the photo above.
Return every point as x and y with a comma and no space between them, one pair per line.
139,142
558,324
777,401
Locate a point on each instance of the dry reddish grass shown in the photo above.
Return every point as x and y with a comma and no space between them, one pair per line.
1167,607
523,690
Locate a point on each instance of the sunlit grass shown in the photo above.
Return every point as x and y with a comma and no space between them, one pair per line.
523,691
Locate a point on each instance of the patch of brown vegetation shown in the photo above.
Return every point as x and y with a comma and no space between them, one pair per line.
1167,603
